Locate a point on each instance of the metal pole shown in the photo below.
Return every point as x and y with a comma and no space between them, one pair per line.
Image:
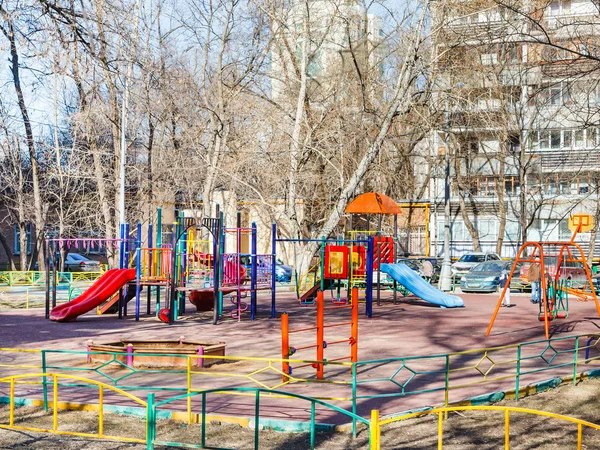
173,275
369,287
273,267
149,272
47,278
446,271
158,245
54,278
253,274
123,154
216,232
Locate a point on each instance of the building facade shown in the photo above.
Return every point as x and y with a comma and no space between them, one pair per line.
519,87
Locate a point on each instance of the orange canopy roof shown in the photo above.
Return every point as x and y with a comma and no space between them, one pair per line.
373,203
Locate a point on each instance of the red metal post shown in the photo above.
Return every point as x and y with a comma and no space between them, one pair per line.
285,346
354,335
320,334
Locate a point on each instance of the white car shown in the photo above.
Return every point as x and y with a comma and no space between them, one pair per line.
469,260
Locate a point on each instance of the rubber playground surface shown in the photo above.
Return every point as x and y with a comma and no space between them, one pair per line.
409,328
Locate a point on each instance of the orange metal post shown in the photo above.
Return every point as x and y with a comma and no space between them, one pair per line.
285,346
320,334
354,335
510,275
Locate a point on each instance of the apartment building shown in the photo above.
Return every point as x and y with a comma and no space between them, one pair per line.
339,37
520,89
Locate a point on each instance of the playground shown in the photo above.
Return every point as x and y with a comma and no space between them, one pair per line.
339,347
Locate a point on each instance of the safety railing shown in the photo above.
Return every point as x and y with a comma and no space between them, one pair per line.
34,278
254,392
266,373
155,264
441,379
376,424
51,380
448,378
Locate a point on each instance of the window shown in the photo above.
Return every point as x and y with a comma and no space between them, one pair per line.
556,94
489,59
556,54
563,230
511,186
17,239
559,8
563,187
555,139
551,187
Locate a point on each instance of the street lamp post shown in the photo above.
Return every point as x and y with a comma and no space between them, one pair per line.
446,271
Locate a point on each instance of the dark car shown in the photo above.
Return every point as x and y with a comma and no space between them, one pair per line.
484,277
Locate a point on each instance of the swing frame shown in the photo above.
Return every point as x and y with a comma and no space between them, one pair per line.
581,223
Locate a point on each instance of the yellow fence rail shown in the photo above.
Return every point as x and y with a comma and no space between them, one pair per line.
376,424
37,278
52,380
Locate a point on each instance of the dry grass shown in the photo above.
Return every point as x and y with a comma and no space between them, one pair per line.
462,431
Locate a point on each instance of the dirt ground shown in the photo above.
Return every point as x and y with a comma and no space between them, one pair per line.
462,431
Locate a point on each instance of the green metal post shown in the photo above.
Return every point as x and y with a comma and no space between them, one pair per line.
312,425
150,423
256,418
44,383
447,382
575,360
518,376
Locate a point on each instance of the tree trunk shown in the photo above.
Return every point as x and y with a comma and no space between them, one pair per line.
37,235
8,252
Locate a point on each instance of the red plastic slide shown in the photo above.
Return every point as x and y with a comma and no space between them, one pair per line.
100,291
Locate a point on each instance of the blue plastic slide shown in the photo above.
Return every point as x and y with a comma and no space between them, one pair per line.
421,288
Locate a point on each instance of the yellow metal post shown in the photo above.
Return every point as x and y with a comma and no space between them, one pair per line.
11,420
375,432
55,405
440,430
189,389
101,411
506,429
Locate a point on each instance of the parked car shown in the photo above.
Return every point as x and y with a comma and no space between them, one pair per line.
569,270
469,260
485,276
414,264
283,272
75,262
437,267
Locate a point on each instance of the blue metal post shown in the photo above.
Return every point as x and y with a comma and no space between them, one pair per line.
121,259
369,288
125,266
273,266
138,273
253,274
121,245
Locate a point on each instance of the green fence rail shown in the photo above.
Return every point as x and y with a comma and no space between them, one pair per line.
441,379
